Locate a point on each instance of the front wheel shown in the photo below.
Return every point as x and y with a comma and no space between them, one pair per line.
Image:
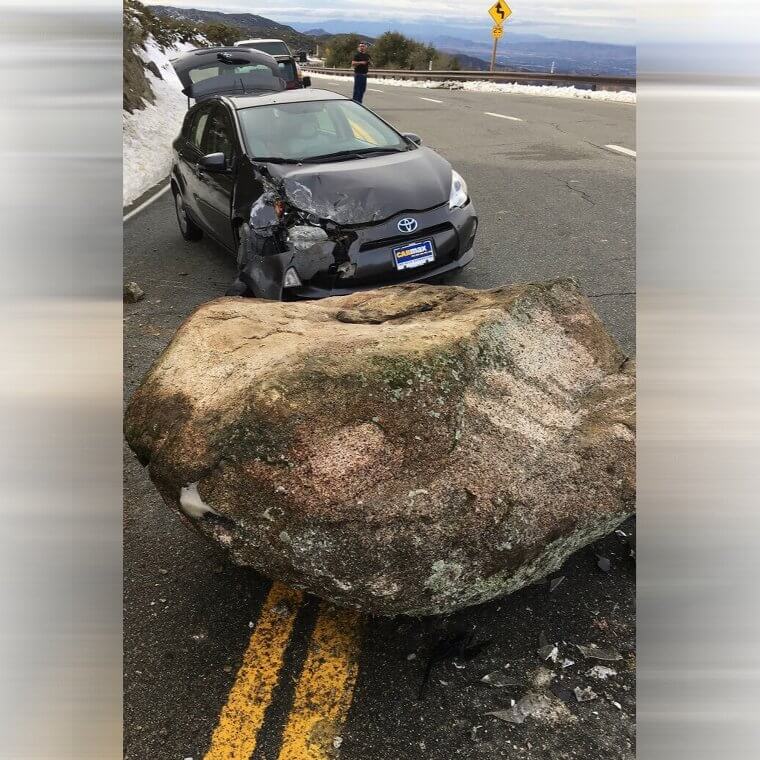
187,227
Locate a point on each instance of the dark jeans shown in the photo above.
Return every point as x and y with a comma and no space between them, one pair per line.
360,85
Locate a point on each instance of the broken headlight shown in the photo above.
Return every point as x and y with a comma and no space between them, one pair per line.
458,196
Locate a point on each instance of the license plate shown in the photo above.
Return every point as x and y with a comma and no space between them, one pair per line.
413,255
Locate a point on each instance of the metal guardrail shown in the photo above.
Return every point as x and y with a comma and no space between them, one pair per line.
501,77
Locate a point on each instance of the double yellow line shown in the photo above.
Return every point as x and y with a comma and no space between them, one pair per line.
323,693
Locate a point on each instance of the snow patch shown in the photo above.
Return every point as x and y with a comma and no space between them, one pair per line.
147,134
551,91
192,504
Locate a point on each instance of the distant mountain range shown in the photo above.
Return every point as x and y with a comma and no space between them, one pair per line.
519,52
516,51
255,26
543,54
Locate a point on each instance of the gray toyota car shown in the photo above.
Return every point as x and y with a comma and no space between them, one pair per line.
315,194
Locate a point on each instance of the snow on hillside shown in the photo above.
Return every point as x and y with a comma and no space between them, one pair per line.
147,134
515,89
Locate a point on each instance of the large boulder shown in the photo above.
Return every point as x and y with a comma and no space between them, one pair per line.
414,449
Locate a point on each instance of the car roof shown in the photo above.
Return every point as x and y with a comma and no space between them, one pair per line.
306,94
260,39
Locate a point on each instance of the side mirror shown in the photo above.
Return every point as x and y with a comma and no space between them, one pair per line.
302,57
213,162
306,81
413,138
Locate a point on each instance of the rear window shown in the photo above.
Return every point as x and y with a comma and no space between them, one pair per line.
276,47
244,77
217,70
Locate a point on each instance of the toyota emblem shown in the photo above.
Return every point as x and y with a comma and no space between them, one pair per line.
407,224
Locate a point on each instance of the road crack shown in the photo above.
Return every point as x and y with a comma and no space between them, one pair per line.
583,194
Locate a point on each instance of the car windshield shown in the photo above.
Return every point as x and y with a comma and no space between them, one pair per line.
273,47
313,130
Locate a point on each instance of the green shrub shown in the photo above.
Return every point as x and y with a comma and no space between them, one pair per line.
391,50
340,51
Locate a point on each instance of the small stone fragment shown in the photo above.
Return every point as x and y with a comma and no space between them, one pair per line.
584,695
133,292
601,672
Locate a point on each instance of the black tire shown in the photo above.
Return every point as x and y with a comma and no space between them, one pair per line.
187,227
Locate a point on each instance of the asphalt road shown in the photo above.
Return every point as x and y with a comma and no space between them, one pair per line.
553,202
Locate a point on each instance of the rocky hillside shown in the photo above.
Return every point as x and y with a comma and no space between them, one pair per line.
251,24
141,28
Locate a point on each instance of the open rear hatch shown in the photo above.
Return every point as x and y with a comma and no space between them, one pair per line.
227,71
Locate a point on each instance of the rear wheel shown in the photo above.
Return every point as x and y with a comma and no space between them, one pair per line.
187,227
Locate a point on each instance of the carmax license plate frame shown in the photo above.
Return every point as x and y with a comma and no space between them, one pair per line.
413,255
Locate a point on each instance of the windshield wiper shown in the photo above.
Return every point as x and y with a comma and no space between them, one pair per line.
349,154
276,160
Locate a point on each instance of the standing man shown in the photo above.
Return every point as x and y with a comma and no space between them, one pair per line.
361,67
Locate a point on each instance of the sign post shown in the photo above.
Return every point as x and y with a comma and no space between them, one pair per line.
499,12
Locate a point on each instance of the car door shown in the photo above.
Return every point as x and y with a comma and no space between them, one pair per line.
216,188
189,153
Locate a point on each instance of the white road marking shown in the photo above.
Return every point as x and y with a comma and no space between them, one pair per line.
372,89
432,100
624,151
501,116
146,203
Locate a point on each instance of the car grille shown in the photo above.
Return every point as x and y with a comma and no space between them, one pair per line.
427,232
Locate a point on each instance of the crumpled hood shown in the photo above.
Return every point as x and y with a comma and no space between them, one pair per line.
368,189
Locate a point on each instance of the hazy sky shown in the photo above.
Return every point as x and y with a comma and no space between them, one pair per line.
597,20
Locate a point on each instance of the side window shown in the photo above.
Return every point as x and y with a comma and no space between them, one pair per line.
198,127
218,138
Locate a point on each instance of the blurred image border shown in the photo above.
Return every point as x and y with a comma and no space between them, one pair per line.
698,380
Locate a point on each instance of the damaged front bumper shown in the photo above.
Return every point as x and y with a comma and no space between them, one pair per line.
317,263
